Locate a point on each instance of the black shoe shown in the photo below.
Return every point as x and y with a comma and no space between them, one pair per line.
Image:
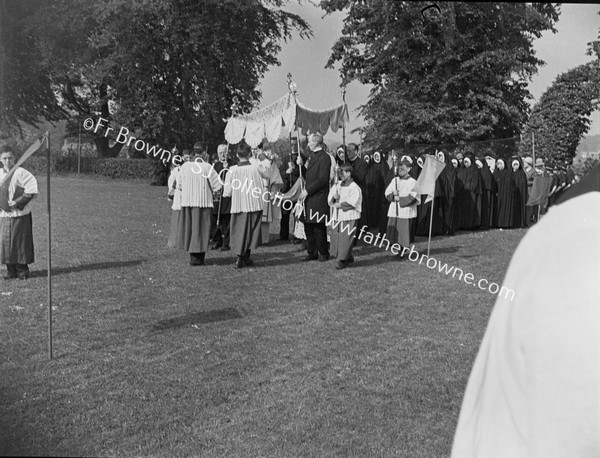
239,263
225,248
323,257
197,259
350,260
9,277
296,241
341,265
310,258
23,276
248,262
216,246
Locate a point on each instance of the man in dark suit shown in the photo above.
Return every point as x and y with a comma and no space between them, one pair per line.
315,204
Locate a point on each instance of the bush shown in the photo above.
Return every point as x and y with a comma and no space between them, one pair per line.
582,168
119,168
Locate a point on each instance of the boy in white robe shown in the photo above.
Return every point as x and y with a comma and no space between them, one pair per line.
403,197
345,200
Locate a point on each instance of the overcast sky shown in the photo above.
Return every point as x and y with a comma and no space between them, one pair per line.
318,88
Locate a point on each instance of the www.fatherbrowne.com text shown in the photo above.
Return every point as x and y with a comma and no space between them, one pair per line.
368,237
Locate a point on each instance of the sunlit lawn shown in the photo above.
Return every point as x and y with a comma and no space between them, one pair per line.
155,357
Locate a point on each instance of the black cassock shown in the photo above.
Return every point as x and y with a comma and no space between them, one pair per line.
488,197
505,199
468,198
374,193
447,181
387,174
414,172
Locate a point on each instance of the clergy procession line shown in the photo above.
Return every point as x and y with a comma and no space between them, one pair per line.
233,204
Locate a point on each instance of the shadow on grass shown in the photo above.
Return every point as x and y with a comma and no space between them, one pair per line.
84,267
442,250
210,316
260,259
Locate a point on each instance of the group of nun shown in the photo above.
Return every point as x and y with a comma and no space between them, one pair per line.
468,194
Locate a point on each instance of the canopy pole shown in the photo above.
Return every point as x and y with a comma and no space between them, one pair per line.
344,124
234,108
294,93
430,226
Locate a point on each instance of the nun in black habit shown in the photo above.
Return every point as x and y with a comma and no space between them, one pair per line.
447,181
520,180
374,187
468,198
488,197
505,196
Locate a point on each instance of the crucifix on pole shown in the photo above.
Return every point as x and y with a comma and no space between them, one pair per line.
344,82
294,93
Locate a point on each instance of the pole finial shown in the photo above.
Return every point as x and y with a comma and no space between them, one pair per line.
291,85
235,105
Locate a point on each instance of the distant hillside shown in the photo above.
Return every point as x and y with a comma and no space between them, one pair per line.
591,143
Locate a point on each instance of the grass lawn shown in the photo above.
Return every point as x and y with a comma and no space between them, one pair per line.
284,359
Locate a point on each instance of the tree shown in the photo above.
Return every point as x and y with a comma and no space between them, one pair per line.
167,70
561,118
449,77
25,87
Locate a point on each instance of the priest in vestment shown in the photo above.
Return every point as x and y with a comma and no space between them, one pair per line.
198,182
271,184
16,227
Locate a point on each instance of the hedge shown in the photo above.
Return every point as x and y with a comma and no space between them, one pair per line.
108,167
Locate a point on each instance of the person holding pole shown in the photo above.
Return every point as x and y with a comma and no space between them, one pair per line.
345,198
222,204
290,173
403,197
16,227
315,194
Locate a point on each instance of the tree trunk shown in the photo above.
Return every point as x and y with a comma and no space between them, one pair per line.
101,141
104,150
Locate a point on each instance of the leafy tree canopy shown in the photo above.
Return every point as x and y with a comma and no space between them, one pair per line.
167,69
451,76
25,86
561,118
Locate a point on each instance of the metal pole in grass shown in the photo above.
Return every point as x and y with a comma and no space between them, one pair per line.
430,226
533,145
234,108
79,152
49,246
292,88
294,93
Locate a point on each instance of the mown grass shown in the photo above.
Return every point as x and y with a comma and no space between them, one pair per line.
154,357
